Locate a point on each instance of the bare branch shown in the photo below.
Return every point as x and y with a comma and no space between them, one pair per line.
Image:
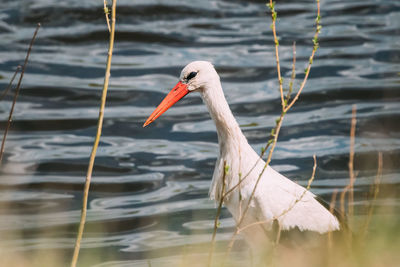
293,74
17,92
11,82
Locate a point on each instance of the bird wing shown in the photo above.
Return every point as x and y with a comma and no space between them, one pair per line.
291,205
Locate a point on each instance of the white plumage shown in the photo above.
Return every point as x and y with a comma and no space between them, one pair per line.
276,195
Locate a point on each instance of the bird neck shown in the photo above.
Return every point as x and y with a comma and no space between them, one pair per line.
227,127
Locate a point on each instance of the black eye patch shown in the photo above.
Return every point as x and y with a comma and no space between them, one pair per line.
191,75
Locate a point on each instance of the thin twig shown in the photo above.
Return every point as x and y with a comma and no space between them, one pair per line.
242,179
107,12
265,148
278,66
279,124
230,245
311,59
97,139
293,73
291,206
17,92
285,108
238,229
216,221
11,82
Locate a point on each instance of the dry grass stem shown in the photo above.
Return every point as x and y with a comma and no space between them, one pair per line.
377,182
351,160
343,200
17,92
11,82
350,187
216,221
97,139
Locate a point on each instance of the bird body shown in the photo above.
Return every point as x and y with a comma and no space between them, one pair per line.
276,197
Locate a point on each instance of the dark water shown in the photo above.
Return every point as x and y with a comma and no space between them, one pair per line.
149,190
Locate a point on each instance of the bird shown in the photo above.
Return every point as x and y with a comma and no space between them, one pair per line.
277,199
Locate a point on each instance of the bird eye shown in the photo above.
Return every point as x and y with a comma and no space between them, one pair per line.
191,75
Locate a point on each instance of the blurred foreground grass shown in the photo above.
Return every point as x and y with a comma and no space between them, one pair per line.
379,247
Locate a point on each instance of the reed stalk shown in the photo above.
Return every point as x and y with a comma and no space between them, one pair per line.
97,138
350,186
17,89
351,160
375,191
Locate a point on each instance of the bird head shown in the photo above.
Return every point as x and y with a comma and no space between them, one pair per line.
196,76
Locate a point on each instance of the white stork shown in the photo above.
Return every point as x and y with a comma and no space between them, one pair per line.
276,198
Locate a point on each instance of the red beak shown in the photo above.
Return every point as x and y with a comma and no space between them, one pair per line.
177,93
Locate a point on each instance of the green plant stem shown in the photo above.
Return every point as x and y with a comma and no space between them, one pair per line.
97,138
278,66
311,59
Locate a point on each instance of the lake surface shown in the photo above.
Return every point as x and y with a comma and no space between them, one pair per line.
149,192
